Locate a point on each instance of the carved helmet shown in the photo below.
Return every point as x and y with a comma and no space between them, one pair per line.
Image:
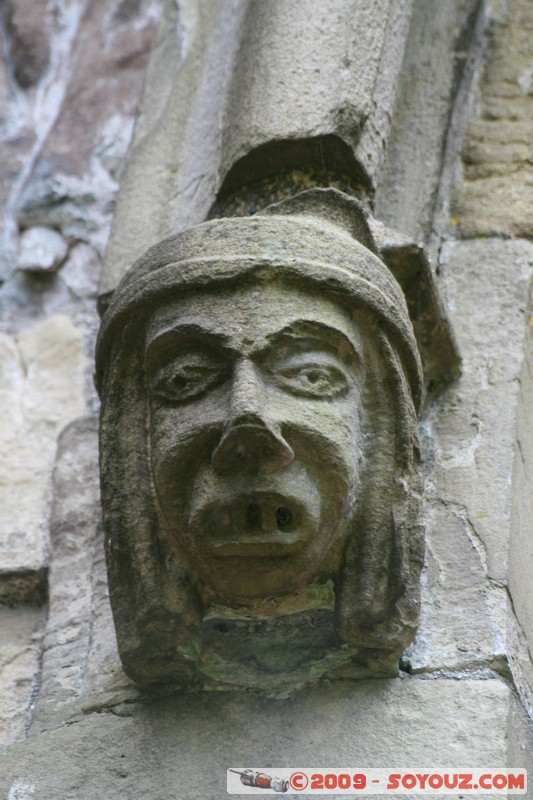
320,236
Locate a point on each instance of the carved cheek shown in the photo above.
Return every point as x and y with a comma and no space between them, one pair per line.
181,439
328,432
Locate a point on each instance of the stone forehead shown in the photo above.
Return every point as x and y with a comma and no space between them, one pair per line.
244,315
302,250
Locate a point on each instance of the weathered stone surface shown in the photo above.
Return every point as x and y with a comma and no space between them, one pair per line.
170,751
81,271
20,631
289,93
40,391
429,114
471,433
27,26
41,250
183,746
74,180
520,660
520,737
280,87
266,349
62,142
496,195
80,664
294,78
521,541
26,117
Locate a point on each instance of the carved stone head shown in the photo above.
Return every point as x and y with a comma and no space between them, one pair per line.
259,463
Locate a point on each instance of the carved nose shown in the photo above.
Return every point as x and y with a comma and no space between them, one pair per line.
250,441
252,448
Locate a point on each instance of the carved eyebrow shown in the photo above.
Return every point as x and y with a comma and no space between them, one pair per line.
160,341
318,331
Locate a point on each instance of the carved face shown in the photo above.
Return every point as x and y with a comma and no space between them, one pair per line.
254,436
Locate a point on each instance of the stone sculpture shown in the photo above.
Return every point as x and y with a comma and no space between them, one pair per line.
259,379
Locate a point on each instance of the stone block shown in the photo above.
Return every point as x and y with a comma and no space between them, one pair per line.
81,270
21,630
41,250
281,87
80,663
41,391
182,746
496,195
27,25
470,434
486,283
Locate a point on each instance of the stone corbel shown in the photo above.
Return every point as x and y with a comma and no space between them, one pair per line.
260,379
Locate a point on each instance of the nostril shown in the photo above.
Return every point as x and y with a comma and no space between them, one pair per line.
240,451
253,515
283,518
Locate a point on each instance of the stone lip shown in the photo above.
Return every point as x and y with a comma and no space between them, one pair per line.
261,524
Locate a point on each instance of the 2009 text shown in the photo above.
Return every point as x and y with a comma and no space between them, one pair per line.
354,781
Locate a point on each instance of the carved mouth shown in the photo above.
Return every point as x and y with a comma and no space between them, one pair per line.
258,525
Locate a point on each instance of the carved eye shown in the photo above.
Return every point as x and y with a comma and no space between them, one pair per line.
186,377
320,378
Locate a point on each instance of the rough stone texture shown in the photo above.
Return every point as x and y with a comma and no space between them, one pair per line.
61,59
464,621
262,84
183,746
521,542
41,250
28,27
520,737
431,109
73,181
29,297
283,380
41,390
495,198
280,90
80,664
471,431
81,271
62,142
19,667
63,139
496,195
270,101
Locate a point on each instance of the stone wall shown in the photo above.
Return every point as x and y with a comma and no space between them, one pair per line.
69,87
491,212
464,108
